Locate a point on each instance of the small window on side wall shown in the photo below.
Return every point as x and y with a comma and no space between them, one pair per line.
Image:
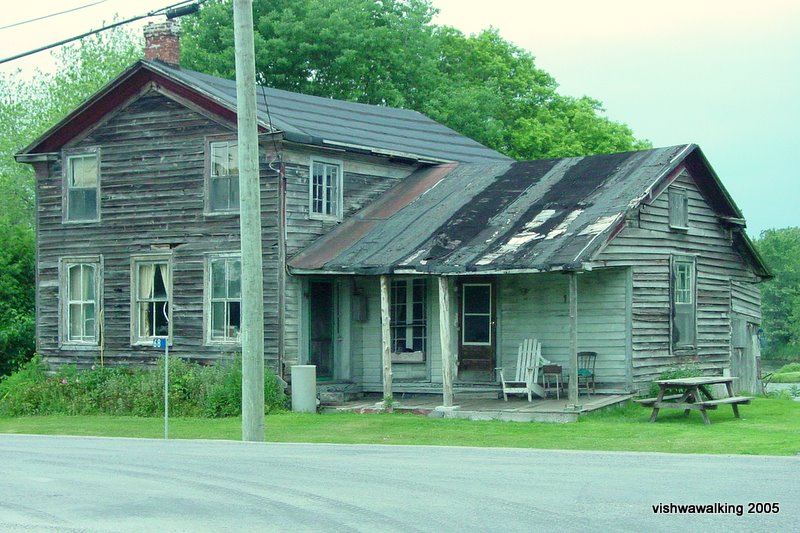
82,184
223,179
325,190
678,208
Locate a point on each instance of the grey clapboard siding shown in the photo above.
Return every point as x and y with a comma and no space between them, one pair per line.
535,306
365,178
152,161
646,246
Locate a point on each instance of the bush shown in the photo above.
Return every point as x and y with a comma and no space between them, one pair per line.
688,371
194,390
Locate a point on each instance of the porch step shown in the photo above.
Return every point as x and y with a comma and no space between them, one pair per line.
338,397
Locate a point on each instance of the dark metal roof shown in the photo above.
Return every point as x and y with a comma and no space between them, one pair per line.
325,121
513,216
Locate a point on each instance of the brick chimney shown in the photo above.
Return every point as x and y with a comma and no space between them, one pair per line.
162,42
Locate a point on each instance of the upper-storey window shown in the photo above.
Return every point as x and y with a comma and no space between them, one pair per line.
223,179
325,190
83,184
678,208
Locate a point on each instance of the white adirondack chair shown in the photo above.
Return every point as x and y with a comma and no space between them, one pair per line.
529,365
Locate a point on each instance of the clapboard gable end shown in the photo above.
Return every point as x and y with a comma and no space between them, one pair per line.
722,254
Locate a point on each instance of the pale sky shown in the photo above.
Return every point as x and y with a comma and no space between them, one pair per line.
722,74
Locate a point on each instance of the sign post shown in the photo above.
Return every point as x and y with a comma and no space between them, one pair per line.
161,342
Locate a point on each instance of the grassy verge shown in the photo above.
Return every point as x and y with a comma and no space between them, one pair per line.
767,427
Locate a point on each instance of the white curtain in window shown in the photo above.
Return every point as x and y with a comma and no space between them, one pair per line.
146,280
84,171
164,269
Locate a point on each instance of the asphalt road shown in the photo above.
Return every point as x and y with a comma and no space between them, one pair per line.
69,484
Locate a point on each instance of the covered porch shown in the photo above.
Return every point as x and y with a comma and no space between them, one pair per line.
365,339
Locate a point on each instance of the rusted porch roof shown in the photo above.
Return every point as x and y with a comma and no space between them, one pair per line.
554,214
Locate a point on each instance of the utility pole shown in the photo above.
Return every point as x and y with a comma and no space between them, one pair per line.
250,226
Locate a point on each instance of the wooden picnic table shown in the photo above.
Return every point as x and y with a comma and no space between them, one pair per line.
694,396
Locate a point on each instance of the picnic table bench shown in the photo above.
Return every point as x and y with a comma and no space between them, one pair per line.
694,396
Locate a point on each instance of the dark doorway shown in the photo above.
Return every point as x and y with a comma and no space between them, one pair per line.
320,321
477,320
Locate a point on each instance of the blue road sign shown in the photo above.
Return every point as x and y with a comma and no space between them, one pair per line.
159,342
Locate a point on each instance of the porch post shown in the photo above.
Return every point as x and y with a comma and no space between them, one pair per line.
444,340
386,336
573,338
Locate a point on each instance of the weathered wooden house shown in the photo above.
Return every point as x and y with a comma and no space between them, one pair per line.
381,229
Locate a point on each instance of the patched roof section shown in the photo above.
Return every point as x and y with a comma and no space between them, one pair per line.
529,215
317,120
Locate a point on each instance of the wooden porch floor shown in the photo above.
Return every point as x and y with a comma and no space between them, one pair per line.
516,409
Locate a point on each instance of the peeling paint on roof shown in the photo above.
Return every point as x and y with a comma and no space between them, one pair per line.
599,225
503,217
561,229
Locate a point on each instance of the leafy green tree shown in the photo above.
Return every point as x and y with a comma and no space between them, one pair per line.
28,107
494,93
780,297
369,51
389,52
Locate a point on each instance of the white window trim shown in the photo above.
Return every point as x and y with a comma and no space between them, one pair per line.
63,267
67,155
491,314
207,301
683,193
207,176
340,192
136,260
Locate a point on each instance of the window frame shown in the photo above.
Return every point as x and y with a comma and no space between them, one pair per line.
675,195
339,192
208,177
676,262
490,315
67,157
209,300
136,261
410,322
65,263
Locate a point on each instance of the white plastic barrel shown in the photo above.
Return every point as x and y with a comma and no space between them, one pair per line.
304,388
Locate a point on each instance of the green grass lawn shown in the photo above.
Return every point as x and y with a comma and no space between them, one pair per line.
767,427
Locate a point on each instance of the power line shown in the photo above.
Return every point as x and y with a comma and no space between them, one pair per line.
51,15
171,11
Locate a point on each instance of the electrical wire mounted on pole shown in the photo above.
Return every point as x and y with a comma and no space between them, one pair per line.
250,226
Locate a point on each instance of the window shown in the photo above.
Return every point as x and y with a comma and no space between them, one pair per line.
476,310
225,299
223,181
408,324
684,306
82,187
325,190
81,289
678,208
151,311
